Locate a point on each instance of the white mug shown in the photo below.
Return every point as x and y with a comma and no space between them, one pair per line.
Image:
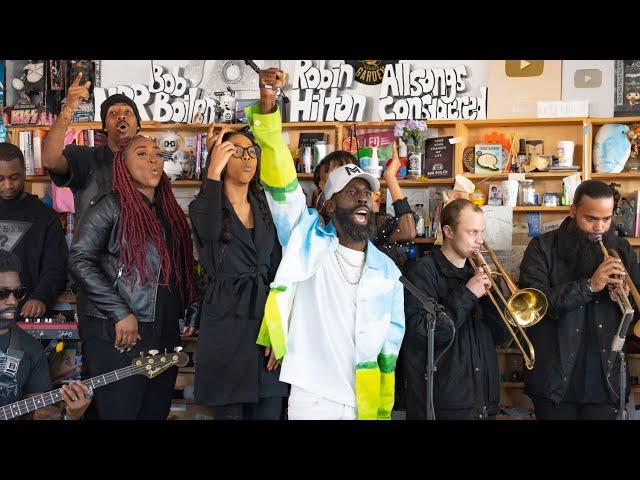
565,153
510,193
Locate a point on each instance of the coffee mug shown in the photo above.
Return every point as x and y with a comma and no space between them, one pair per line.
565,153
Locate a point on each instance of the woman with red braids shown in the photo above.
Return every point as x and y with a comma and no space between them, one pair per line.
132,256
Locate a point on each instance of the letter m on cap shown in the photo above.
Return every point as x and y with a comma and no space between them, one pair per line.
352,170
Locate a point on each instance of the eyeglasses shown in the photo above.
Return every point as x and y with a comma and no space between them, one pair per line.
254,152
19,293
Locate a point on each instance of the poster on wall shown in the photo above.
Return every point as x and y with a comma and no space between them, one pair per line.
627,88
520,84
590,80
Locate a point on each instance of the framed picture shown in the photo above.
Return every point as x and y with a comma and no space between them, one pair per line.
534,147
494,194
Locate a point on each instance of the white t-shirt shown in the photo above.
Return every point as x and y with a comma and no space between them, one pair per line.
321,350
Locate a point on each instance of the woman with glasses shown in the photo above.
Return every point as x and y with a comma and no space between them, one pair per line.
238,245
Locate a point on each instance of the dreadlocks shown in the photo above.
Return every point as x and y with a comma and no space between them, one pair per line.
138,226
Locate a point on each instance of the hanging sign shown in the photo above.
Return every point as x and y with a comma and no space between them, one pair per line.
428,94
315,94
171,95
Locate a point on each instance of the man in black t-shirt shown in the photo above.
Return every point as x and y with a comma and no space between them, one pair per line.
31,230
24,370
88,170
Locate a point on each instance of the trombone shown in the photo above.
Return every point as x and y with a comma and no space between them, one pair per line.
525,307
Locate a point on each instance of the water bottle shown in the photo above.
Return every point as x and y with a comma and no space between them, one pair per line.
420,227
306,160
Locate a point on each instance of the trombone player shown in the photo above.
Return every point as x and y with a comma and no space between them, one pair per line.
573,341
466,385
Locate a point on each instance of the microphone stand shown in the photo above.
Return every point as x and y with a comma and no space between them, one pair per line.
432,309
623,386
617,349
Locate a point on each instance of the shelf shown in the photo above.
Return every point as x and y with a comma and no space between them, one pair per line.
186,183
150,125
392,123
403,183
602,121
37,178
537,208
422,183
177,183
532,175
421,240
635,389
633,241
506,122
512,384
614,176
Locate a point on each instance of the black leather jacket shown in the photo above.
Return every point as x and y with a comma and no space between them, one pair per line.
104,290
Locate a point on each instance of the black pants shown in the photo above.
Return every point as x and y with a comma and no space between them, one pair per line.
136,397
548,410
133,398
266,409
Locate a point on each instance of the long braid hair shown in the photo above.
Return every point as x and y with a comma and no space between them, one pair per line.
255,189
138,226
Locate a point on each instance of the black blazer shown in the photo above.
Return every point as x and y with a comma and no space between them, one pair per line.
231,367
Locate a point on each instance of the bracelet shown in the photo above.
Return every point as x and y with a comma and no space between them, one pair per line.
589,285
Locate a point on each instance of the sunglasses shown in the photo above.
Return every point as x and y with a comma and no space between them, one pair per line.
19,293
254,152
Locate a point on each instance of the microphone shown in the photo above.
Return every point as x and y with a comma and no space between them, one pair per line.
256,69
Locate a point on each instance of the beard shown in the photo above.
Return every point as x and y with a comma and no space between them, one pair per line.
584,255
7,322
354,232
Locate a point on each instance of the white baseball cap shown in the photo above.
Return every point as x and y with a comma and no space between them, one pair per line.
339,178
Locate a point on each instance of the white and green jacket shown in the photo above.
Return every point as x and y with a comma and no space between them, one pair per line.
306,244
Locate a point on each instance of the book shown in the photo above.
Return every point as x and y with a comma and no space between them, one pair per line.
488,158
438,157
